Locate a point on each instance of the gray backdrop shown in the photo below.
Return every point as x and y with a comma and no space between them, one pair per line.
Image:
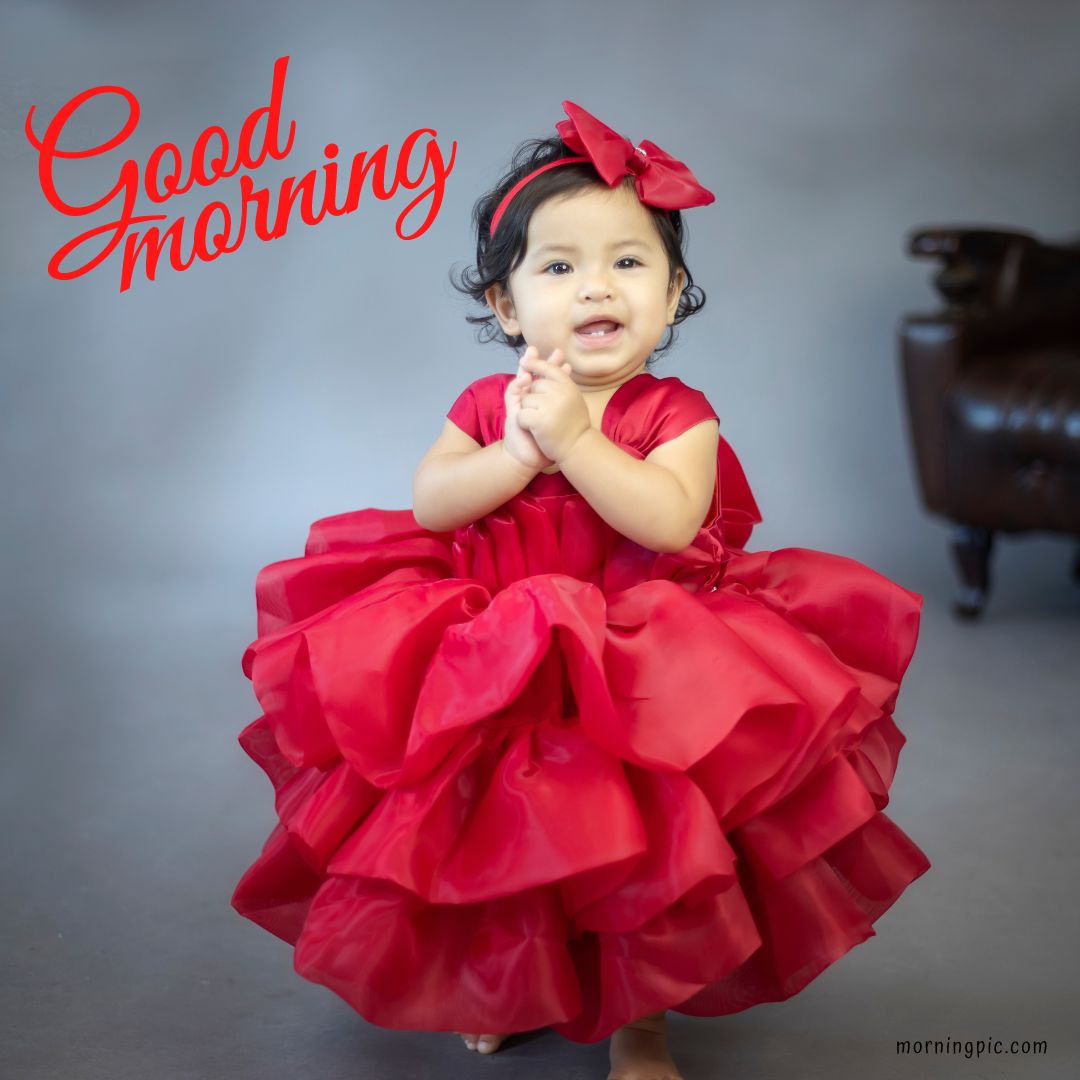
162,444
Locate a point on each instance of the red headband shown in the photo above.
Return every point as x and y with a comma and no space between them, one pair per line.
660,180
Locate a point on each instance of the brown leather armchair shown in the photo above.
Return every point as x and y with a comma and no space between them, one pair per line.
992,387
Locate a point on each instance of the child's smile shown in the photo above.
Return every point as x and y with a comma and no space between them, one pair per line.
598,333
594,283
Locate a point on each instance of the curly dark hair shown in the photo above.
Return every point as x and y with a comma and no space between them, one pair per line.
497,257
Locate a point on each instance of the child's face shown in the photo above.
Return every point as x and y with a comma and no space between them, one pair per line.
595,254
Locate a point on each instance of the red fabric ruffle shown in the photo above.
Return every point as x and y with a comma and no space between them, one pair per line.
531,774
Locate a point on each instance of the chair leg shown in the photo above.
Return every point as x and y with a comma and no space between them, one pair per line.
971,547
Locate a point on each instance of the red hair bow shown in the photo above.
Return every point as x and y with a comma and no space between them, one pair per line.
659,179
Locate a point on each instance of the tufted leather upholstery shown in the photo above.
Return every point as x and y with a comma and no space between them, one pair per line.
992,385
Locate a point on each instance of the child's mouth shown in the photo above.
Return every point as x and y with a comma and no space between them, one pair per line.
598,335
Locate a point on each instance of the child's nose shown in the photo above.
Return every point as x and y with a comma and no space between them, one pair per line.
596,285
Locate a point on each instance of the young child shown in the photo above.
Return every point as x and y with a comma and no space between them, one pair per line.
552,748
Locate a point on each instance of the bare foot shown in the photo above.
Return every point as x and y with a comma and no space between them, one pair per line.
639,1051
486,1044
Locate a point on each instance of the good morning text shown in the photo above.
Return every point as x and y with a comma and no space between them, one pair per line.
218,230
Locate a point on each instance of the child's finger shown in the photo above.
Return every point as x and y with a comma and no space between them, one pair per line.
559,362
537,364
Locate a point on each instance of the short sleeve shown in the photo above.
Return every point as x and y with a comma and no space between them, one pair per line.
479,409
669,408
686,408
466,413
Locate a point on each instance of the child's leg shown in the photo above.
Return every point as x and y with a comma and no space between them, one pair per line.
637,1050
640,1050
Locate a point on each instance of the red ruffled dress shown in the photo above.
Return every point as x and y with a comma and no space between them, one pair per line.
530,773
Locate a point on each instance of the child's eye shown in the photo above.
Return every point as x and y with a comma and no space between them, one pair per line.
632,260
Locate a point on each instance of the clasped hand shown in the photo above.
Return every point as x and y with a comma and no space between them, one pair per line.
545,402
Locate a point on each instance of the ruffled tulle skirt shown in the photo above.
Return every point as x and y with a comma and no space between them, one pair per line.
510,796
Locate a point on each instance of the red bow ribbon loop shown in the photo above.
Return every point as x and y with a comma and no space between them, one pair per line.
660,179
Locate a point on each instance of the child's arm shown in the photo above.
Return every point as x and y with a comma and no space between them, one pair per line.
458,481
660,502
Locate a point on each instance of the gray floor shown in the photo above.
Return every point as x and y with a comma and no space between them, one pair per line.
130,812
